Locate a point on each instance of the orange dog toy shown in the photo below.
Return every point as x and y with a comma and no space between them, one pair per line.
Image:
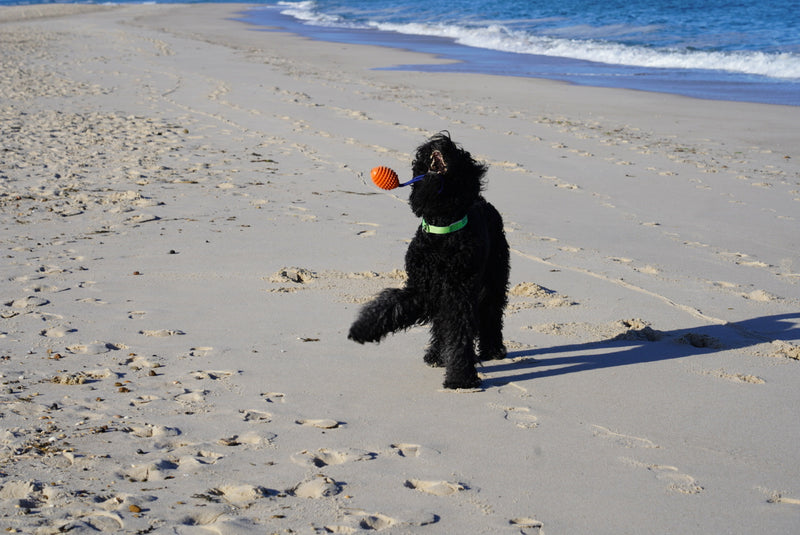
384,177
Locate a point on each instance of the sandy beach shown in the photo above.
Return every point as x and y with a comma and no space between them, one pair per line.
188,229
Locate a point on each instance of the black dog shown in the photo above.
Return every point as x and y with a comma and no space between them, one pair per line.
457,265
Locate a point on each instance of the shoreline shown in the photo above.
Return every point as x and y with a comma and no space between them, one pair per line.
457,58
188,229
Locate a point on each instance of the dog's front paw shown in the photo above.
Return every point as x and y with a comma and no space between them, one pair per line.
498,353
466,381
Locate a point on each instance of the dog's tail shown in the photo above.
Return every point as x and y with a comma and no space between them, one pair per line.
394,309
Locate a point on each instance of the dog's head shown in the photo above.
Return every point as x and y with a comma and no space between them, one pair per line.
453,179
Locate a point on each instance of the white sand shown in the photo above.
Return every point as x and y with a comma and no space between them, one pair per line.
162,371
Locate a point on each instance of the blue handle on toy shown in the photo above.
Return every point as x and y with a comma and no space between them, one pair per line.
415,179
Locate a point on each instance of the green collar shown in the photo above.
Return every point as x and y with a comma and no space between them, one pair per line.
431,229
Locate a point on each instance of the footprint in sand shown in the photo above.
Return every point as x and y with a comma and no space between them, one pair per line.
95,348
514,389
238,495
191,463
143,400
407,450
49,270
367,232
155,471
252,415
92,301
363,521
436,488
20,490
189,397
126,502
212,374
295,275
319,423
302,213
527,525
760,295
627,441
519,416
24,278
326,457
206,518
78,378
248,439
274,397
318,487
775,496
676,481
43,316
57,332
347,530
137,362
44,288
734,377
366,521
27,302
99,521
700,341
162,333
154,431
377,521
532,295
413,451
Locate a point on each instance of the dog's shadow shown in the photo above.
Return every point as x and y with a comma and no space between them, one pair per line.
633,349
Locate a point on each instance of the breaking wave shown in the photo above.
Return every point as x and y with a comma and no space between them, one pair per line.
500,37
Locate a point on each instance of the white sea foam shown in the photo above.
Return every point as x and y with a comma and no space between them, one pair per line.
495,37
306,12
499,37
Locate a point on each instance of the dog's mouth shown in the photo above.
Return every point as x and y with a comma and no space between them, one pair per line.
436,167
437,164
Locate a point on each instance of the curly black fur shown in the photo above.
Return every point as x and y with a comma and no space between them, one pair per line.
458,281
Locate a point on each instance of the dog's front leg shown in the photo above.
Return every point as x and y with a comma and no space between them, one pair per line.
394,309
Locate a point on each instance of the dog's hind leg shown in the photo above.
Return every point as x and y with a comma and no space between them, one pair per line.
457,328
394,309
459,359
490,326
494,296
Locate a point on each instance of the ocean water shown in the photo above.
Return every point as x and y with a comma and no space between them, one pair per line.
745,50
741,50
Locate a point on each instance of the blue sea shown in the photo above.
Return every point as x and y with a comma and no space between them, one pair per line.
741,50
